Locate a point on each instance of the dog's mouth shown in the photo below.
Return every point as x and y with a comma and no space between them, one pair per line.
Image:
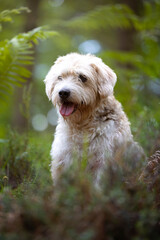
67,108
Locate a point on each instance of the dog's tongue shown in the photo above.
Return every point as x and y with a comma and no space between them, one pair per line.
66,109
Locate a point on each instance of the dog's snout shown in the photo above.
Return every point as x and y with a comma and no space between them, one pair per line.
64,93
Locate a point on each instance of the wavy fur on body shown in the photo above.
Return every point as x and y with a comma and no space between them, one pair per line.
96,115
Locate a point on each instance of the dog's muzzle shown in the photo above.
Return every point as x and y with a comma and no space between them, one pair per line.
64,94
67,107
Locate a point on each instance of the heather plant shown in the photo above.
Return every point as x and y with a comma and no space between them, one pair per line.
123,208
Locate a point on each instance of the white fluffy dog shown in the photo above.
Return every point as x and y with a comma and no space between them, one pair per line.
81,87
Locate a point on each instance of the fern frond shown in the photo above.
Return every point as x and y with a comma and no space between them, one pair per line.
150,19
39,33
118,16
142,63
103,17
123,57
15,54
6,15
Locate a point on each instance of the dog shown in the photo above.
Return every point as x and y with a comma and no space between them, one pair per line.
81,88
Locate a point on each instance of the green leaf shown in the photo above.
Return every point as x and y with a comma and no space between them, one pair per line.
16,54
5,16
103,17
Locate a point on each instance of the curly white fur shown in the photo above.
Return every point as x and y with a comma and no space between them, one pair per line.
97,115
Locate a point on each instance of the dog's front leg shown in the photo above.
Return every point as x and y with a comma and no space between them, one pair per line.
61,157
96,166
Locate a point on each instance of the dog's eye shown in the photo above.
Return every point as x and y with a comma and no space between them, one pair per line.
59,77
82,78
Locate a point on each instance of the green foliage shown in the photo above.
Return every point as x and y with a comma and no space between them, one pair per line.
5,16
147,60
21,160
103,17
123,209
16,54
13,156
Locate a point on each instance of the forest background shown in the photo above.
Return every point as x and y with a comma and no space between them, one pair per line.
126,35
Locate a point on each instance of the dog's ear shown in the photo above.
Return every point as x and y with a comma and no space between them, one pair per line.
49,79
59,59
49,82
106,78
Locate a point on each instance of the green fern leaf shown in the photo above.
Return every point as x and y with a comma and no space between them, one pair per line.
5,16
15,54
103,17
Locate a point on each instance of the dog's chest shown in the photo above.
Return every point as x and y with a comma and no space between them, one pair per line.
97,138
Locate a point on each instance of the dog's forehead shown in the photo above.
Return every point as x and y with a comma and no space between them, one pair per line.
73,65
75,60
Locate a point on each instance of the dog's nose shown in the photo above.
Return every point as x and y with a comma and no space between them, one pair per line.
64,94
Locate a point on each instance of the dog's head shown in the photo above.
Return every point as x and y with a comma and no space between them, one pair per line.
76,82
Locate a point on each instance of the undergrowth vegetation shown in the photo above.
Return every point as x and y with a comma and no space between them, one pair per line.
31,208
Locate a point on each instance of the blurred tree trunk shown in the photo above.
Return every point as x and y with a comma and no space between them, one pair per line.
126,36
19,121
